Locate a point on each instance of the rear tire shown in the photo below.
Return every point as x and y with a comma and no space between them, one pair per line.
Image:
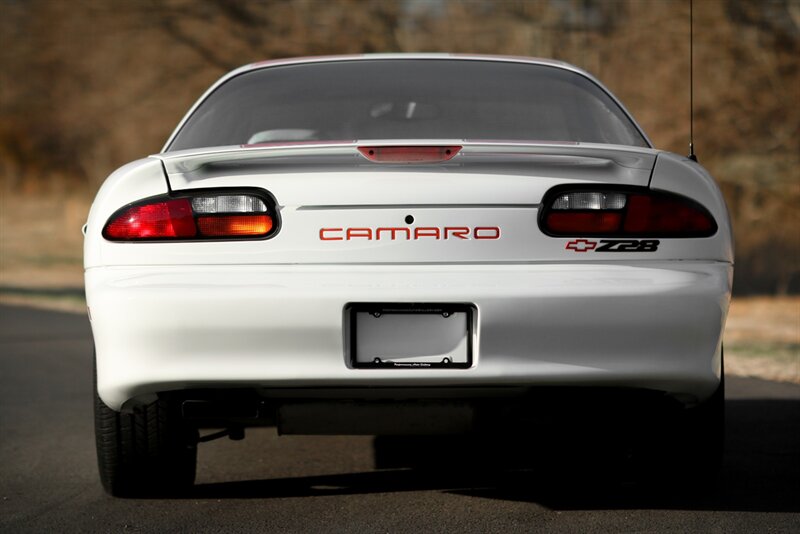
704,438
149,452
688,451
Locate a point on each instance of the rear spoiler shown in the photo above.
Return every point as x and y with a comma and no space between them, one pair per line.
188,161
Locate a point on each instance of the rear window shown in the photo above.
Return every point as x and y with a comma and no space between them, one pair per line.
407,99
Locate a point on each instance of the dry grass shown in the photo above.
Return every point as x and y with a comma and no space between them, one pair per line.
41,244
762,338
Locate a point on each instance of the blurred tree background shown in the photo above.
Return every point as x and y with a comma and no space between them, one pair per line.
87,85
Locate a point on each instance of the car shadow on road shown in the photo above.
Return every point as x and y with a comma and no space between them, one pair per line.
761,471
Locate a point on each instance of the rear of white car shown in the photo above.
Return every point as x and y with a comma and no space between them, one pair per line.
396,285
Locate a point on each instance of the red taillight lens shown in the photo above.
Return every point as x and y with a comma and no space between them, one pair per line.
666,215
622,214
581,222
194,217
408,154
158,220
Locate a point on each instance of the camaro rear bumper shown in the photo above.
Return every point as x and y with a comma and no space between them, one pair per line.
644,325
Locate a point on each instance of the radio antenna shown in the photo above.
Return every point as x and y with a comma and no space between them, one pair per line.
692,155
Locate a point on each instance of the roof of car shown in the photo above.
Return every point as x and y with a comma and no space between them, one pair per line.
367,57
437,55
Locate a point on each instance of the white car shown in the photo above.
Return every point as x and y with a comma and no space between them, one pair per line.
403,244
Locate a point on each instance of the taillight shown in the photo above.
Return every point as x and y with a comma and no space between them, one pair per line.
194,217
157,220
234,225
594,212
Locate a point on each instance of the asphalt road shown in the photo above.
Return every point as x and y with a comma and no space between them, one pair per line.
48,477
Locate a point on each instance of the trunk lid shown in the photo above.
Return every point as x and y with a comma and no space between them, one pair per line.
337,206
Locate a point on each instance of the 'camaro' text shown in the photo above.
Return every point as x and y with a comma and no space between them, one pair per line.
401,233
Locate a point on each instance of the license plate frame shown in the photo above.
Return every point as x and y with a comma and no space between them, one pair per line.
354,312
